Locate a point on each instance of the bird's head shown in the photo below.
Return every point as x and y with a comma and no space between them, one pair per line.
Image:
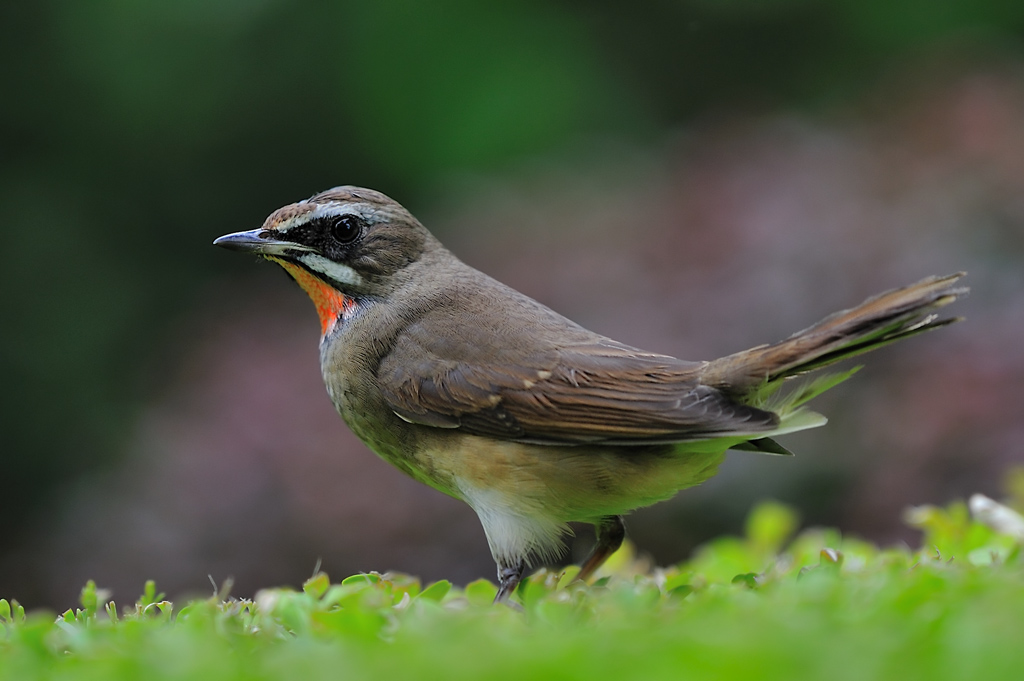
343,246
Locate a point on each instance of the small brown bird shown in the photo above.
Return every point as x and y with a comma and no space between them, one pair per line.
486,395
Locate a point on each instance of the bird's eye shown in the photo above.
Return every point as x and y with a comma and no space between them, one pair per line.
345,228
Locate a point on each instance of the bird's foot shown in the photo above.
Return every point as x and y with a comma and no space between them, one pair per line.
509,577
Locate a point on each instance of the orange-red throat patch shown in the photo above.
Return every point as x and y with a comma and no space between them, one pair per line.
331,304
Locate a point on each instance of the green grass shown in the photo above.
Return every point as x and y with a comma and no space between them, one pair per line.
818,606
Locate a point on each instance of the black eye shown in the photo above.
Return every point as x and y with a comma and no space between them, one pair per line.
345,228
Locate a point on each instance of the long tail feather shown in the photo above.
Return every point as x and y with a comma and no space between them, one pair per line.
878,321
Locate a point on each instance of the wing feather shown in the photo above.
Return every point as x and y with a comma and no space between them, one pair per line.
593,392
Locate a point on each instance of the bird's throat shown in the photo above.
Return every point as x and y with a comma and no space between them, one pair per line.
331,304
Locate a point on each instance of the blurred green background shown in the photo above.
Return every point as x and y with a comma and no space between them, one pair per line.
690,175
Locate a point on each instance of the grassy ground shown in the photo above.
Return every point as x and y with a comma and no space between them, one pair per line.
817,606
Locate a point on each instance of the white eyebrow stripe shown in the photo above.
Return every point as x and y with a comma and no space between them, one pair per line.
324,210
343,274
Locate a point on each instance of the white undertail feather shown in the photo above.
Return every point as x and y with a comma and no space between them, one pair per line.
788,403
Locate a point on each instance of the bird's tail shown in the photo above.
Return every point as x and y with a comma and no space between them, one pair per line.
754,374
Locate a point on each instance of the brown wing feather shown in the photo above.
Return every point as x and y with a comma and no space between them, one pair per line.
599,392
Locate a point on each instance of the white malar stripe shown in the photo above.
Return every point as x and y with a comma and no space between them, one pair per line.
343,274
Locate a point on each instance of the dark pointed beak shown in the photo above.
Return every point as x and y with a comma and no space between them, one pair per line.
259,241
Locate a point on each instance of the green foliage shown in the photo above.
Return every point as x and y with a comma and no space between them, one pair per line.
821,606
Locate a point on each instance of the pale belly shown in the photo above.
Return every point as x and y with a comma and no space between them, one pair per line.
568,483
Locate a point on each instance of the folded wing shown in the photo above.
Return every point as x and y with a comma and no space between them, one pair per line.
598,392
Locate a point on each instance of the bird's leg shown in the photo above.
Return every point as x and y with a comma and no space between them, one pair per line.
610,533
509,577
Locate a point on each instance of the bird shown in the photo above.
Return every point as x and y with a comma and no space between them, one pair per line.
489,396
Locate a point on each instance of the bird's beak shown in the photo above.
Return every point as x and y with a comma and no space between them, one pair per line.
259,241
